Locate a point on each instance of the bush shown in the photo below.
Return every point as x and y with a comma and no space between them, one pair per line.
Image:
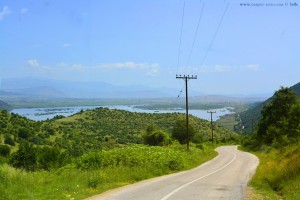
24,133
133,156
24,158
4,150
91,160
179,132
47,158
156,138
9,140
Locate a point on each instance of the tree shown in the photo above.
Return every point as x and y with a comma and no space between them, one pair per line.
4,150
24,158
47,157
9,140
179,132
24,133
294,121
273,125
156,137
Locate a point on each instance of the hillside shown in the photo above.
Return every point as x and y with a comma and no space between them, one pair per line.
96,129
255,112
4,106
123,127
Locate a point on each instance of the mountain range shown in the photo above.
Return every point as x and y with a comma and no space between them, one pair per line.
49,88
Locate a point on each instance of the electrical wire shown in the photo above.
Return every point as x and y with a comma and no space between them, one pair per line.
216,32
180,38
180,92
195,36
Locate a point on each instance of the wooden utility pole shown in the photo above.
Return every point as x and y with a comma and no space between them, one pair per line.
252,125
186,78
212,128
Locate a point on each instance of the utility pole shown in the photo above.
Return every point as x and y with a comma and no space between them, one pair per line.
252,125
212,128
186,78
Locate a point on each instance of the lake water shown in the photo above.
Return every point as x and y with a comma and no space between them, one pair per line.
39,114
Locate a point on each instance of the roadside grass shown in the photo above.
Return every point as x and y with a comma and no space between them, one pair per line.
84,178
278,174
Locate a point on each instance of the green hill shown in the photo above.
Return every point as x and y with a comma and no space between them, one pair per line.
253,115
96,129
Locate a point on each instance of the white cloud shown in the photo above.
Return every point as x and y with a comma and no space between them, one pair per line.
5,11
223,68
218,68
66,45
215,69
24,10
79,67
146,68
151,69
253,67
33,63
36,66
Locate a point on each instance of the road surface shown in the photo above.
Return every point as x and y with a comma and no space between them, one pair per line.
224,177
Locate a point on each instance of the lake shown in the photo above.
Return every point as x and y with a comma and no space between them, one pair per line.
40,114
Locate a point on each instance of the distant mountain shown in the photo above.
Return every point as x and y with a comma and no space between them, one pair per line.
223,98
253,115
48,88
4,106
30,87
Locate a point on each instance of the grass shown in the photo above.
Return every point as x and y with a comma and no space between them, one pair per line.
73,182
278,174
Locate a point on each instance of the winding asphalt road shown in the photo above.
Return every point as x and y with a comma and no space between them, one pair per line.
224,177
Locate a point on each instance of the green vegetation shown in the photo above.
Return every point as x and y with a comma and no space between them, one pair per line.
253,115
96,150
95,172
155,137
278,175
277,144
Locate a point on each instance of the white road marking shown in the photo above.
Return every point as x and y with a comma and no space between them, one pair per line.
183,186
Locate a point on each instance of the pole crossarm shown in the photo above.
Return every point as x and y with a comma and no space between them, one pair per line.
186,78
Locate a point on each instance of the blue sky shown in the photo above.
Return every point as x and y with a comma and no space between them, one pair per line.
245,49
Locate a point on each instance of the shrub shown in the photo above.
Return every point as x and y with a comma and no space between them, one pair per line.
47,158
4,150
179,132
91,160
24,158
9,140
156,138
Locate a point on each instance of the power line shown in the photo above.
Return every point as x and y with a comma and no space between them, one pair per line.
199,20
179,49
216,32
180,92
